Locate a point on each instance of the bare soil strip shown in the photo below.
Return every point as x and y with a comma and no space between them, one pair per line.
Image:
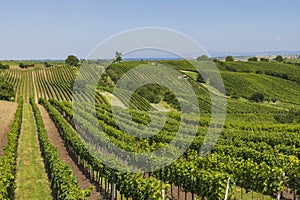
7,111
55,139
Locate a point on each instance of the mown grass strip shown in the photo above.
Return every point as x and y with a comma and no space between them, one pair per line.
31,181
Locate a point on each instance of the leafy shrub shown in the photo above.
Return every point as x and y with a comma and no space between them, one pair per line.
22,66
229,59
203,57
200,79
48,65
171,99
151,92
253,59
257,97
6,90
279,58
264,60
72,60
4,66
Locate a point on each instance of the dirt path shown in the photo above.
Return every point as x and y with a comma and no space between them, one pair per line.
7,111
35,92
55,139
181,194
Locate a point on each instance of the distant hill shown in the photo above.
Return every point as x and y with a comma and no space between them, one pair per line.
283,52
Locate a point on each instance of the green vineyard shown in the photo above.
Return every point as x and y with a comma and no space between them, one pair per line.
256,156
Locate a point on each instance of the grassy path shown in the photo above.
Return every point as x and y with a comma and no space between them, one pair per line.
31,181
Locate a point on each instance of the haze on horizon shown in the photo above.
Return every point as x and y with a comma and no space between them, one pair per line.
35,29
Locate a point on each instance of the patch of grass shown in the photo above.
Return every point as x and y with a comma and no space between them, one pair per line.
292,60
240,194
191,74
31,180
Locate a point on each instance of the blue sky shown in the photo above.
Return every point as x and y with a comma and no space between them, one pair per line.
37,29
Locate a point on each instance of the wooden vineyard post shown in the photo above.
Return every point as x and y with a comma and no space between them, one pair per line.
163,194
113,191
227,189
279,194
178,192
295,195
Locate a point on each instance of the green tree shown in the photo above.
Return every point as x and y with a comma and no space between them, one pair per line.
257,97
118,57
72,60
48,65
279,58
253,59
200,78
229,59
22,66
4,66
264,59
6,90
203,57
215,60
151,92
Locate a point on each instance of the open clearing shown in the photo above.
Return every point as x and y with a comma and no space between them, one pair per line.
112,98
